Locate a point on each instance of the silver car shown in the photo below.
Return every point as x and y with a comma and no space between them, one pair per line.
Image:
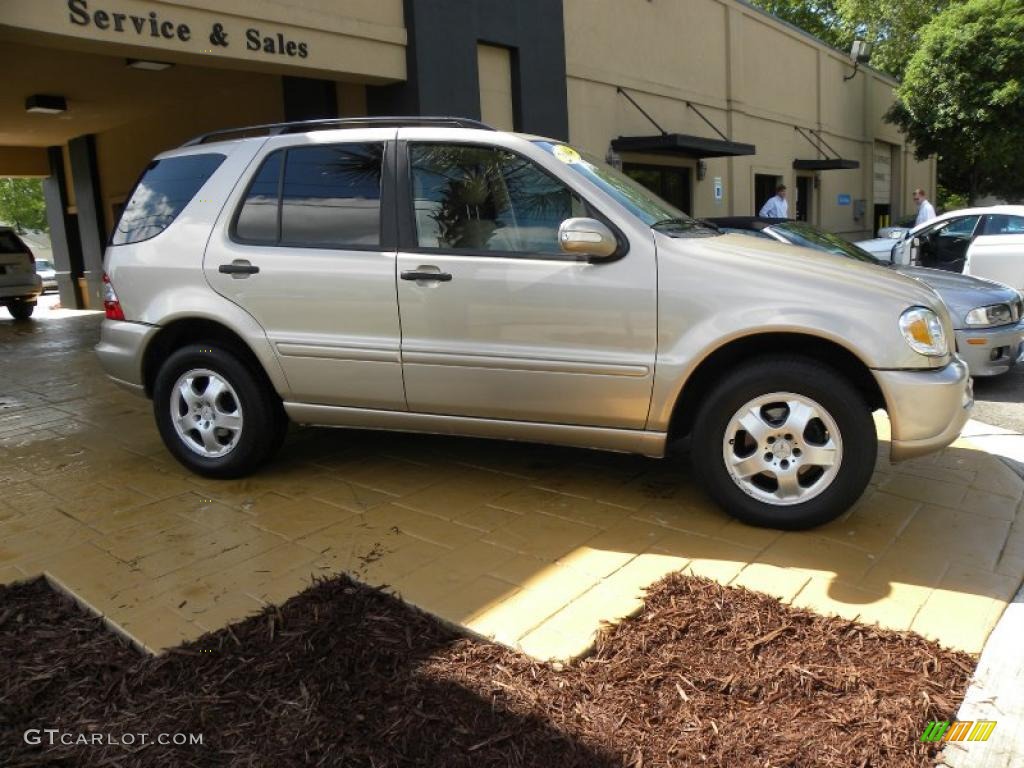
436,275
47,274
20,286
987,316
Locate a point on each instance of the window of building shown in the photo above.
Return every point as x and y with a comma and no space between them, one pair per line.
329,197
470,198
494,72
164,190
670,183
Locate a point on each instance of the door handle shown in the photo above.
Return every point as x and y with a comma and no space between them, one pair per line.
239,267
423,274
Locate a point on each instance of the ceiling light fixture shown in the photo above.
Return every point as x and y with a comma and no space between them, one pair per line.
46,105
148,65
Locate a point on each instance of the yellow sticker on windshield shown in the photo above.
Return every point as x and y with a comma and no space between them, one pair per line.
566,154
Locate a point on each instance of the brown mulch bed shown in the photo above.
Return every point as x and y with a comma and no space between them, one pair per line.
344,675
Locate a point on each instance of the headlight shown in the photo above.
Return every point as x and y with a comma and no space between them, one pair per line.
996,314
924,333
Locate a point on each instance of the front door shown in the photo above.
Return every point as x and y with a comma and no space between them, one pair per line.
304,256
496,321
944,245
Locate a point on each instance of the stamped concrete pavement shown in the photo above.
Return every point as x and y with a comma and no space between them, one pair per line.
534,546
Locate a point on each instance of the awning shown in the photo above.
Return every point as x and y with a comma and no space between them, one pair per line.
681,145
823,163
830,164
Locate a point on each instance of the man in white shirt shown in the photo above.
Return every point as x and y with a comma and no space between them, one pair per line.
925,211
776,207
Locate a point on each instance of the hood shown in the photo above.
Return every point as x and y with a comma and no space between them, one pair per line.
731,285
828,271
962,293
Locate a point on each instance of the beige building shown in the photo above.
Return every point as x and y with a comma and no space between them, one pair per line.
95,88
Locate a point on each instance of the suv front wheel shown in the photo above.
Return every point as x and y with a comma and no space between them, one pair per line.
785,443
214,414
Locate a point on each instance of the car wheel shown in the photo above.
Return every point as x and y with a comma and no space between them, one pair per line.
21,310
784,442
215,414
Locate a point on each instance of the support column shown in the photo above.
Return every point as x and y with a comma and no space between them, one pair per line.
92,231
67,253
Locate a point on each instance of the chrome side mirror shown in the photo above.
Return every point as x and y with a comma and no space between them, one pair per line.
587,237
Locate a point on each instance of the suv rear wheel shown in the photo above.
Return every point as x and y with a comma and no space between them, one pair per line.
215,415
785,442
21,310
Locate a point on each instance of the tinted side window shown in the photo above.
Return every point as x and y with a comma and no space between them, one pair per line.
487,199
1002,224
165,188
257,219
960,227
331,195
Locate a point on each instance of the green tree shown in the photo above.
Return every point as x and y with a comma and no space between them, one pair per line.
822,18
962,97
891,26
21,204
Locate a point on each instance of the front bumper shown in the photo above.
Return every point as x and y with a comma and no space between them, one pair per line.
993,351
120,351
927,408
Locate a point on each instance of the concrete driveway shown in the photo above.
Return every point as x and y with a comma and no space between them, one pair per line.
534,546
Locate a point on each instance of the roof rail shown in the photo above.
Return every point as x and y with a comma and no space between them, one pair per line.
300,126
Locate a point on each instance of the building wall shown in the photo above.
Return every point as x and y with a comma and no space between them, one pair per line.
356,39
755,78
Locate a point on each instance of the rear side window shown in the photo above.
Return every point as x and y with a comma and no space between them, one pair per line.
165,188
320,197
1003,224
11,243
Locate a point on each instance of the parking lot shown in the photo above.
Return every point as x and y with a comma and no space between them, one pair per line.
534,546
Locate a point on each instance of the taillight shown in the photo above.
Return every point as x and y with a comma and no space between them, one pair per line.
110,303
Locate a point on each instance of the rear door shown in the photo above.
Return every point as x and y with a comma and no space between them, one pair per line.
512,328
309,252
997,253
16,266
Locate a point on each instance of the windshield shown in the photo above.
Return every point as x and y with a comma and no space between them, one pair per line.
798,233
43,264
636,198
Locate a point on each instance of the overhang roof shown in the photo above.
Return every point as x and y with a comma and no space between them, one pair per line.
828,164
682,145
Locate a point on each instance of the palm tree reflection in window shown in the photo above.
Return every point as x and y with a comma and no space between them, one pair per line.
331,195
486,199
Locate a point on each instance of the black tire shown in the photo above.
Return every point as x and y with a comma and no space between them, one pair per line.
801,376
21,310
264,421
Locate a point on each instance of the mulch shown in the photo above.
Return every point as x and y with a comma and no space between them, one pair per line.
345,675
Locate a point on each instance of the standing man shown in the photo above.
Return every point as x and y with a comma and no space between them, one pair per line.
776,207
925,211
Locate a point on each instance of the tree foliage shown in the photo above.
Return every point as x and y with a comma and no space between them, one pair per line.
962,97
21,204
892,26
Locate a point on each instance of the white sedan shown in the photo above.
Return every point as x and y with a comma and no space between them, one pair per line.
984,242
